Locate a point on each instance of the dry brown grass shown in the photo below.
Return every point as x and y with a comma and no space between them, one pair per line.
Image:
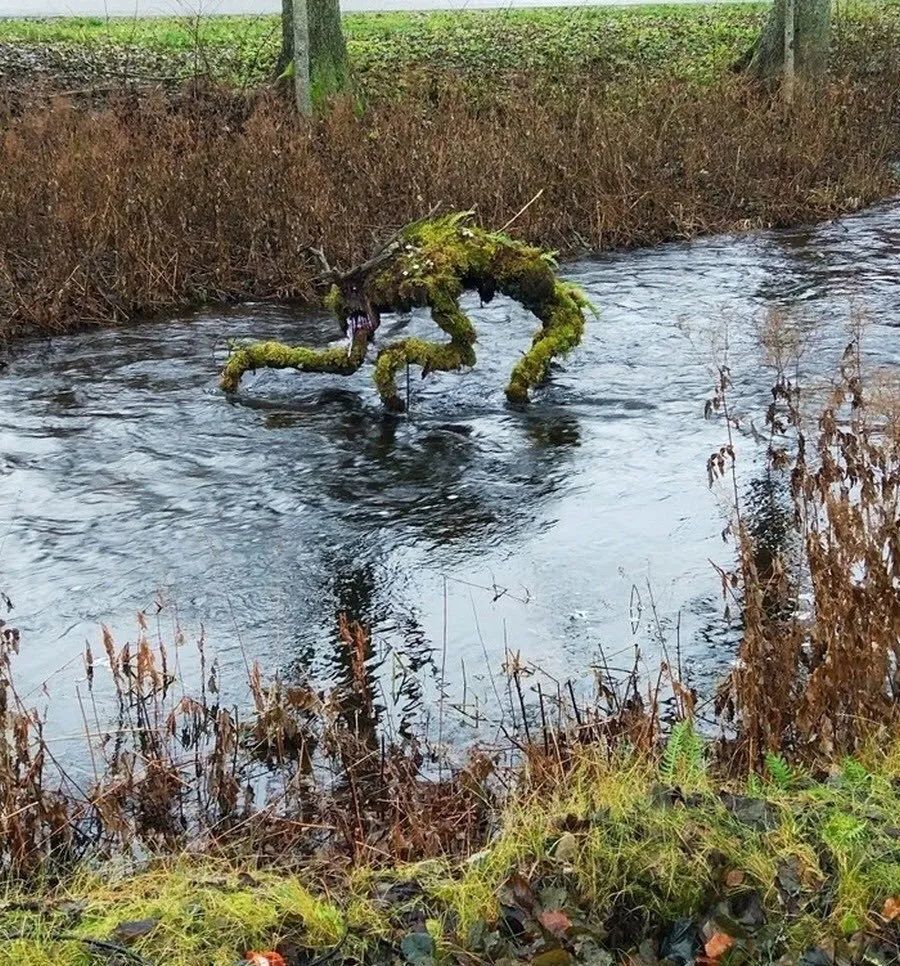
145,203
818,674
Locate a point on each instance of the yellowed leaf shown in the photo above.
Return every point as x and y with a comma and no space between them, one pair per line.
717,945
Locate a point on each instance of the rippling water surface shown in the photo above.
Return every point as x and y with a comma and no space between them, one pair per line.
126,476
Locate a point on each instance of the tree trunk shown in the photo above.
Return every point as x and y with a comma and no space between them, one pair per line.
812,39
329,72
790,38
302,87
286,57
312,29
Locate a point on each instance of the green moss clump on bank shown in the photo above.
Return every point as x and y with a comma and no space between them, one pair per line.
623,847
200,912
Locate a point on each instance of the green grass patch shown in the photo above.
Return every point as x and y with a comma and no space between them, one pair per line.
623,847
680,41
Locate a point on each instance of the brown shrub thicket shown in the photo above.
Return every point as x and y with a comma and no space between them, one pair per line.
144,203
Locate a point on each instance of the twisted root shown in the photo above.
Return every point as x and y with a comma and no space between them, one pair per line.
431,356
277,355
562,316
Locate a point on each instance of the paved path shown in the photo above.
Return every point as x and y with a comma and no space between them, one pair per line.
145,8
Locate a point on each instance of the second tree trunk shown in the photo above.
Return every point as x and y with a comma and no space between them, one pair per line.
812,39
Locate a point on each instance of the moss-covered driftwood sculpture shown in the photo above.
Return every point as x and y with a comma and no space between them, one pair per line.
431,263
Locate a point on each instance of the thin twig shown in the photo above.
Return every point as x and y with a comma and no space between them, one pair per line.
522,211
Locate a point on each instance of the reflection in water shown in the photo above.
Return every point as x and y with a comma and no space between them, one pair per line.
768,515
456,533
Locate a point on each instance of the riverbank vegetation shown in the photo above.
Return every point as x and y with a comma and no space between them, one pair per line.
592,830
147,203
592,856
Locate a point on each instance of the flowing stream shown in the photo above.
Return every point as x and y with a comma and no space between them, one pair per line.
128,482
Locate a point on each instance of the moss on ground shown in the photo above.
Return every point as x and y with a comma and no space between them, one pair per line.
592,858
396,51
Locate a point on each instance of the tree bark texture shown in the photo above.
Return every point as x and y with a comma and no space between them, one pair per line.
812,40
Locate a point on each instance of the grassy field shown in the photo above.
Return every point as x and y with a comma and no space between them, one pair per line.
678,40
395,50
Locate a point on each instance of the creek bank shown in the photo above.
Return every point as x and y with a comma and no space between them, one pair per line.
598,861
145,205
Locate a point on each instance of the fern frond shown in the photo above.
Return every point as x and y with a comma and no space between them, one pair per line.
854,774
781,773
842,832
683,757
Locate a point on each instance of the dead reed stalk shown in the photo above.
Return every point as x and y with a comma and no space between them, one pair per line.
819,667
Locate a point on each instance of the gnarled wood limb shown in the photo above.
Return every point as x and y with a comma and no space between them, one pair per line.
430,263
431,356
277,355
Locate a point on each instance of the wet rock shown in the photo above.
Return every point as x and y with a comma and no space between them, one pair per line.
754,812
418,949
127,932
682,943
815,957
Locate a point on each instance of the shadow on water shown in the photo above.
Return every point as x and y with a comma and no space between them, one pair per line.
461,531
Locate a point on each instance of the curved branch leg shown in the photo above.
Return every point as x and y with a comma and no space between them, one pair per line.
277,355
431,356
560,307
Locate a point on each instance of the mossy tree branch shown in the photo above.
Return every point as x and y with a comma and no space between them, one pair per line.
430,264
431,356
276,355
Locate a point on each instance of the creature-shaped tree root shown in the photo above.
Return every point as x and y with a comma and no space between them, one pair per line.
276,355
431,263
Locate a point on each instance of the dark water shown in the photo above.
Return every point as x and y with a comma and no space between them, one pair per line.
126,477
